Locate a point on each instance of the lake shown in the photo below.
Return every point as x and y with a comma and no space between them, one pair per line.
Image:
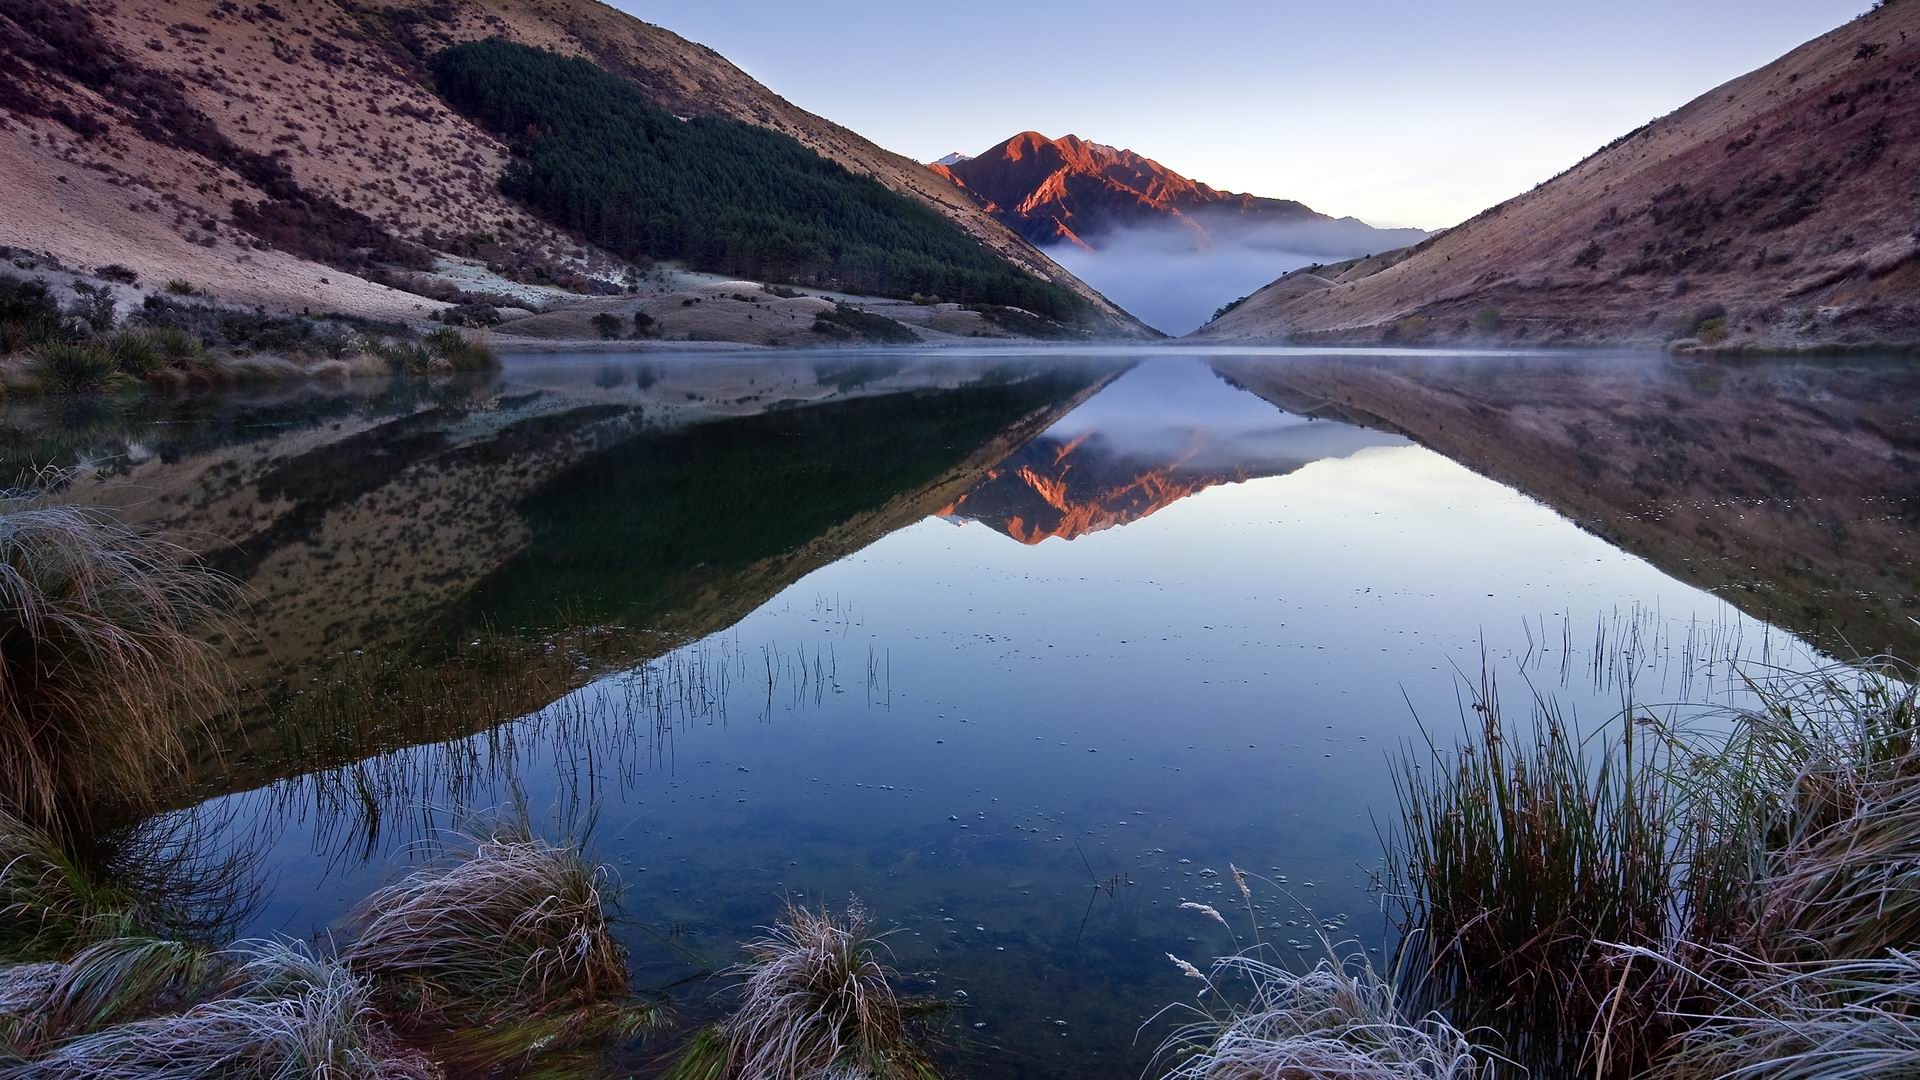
1024,649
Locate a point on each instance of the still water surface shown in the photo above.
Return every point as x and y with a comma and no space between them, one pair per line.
1022,651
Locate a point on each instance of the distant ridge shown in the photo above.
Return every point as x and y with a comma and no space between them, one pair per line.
1073,191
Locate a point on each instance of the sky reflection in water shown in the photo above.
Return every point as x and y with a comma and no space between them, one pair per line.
971,732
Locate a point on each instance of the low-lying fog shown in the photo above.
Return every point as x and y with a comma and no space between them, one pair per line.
1175,278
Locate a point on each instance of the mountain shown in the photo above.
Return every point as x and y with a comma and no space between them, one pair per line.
954,158
298,155
1071,191
1169,249
1778,210
1770,491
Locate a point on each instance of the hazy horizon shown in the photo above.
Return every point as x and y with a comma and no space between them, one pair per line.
1403,115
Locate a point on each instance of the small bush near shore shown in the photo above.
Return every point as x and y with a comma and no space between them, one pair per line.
76,367
458,351
846,321
170,341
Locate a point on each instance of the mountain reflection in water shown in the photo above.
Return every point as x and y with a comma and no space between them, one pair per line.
720,605
1165,430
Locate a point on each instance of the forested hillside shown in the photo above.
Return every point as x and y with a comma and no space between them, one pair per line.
593,156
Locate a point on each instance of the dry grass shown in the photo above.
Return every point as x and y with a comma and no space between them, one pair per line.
816,1001
1832,1020
498,954
1339,1021
315,1021
1812,970
104,658
107,983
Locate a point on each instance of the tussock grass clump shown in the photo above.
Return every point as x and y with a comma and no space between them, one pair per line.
1833,1020
459,351
1822,782
1813,803
134,353
319,1023
816,1001
75,367
104,657
49,905
1524,849
1257,1018
515,931
403,358
106,983
1733,896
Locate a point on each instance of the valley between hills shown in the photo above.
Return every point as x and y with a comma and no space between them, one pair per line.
508,167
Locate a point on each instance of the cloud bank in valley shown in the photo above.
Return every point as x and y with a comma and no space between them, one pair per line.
1174,278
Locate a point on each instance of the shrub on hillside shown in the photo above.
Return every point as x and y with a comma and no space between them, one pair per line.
93,306
846,321
28,314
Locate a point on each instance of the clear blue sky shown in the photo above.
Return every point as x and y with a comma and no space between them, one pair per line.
1402,112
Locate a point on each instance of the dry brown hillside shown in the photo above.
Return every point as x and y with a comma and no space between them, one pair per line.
1781,209
128,131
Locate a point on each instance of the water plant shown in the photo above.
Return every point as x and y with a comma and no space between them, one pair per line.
816,1000
1729,895
1519,853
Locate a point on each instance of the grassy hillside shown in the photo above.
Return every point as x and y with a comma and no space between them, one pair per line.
593,156
297,156
1777,210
